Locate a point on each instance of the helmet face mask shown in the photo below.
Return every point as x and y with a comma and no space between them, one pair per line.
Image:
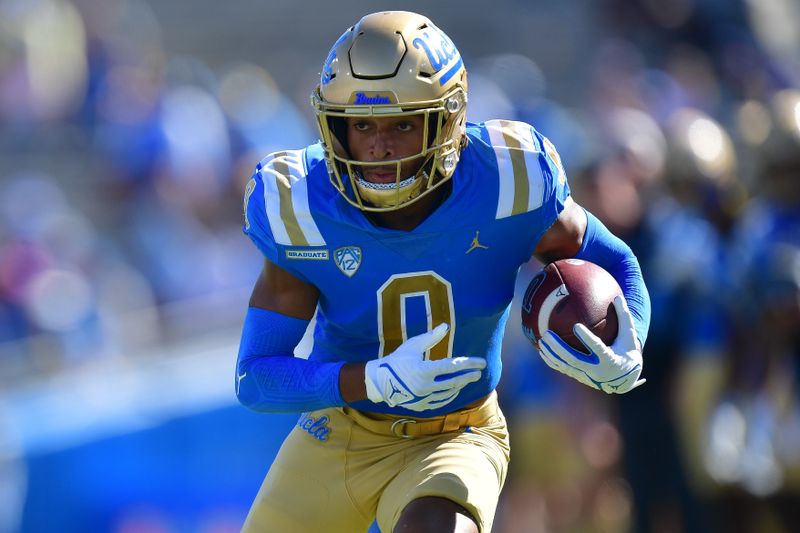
392,64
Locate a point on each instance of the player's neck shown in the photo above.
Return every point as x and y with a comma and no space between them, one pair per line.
408,218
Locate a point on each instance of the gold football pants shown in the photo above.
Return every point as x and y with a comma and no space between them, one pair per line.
340,468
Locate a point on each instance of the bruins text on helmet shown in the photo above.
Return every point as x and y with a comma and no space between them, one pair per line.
392,64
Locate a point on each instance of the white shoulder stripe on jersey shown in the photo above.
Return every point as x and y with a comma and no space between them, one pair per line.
535,180
521,185
272,205
286,200
504,168
303,213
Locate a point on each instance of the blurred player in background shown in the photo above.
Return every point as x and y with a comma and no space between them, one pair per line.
668,198
404,230
753,445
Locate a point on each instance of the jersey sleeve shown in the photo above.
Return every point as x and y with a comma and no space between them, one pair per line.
277,213
256,223
555,188
531,178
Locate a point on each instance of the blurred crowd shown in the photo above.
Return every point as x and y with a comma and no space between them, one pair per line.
123,170
688,148
122,166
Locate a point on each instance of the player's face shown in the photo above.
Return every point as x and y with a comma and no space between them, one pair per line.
385,139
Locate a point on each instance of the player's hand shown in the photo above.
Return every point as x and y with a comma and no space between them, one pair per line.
407,379
612,369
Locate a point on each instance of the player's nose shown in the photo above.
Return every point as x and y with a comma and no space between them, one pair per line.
382,145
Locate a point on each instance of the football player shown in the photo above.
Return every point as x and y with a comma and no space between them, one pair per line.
403,229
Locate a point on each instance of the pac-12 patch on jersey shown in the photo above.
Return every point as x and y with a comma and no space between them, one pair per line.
348,259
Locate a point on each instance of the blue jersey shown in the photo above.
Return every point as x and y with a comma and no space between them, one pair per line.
378,286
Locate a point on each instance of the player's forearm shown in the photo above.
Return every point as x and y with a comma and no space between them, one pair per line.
289,384
270,379
603,248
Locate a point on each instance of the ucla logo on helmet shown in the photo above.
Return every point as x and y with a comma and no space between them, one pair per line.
348,259
327,68
328,72
440,51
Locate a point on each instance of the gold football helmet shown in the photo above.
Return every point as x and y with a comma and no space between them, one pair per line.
391,64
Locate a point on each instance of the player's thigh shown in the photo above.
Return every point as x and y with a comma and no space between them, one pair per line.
304,490
468,469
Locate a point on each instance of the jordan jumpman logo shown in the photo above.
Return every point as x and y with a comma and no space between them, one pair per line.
475,244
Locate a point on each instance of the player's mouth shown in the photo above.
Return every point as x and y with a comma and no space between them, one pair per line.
380,175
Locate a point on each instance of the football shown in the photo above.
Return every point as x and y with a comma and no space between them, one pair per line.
567,292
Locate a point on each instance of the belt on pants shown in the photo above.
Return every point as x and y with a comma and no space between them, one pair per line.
411,427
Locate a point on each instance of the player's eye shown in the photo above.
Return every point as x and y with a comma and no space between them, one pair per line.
360,126
404,126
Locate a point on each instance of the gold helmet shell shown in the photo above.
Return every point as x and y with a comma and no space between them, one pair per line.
390,64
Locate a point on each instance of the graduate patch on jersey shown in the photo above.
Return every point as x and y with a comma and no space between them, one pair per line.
317,255
348,259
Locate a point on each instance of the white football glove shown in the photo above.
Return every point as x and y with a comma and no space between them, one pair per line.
406,378
611,369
